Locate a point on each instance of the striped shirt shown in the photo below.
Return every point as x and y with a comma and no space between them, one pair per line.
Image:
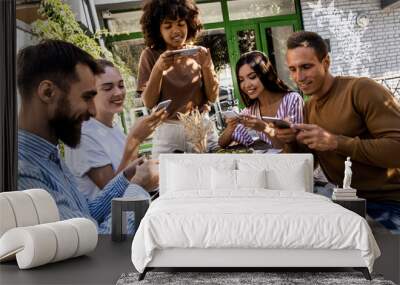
39,166
291,107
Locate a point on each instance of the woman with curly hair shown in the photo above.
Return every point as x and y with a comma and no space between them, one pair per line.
188,80
263,94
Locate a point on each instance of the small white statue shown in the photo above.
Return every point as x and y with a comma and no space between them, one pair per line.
347,174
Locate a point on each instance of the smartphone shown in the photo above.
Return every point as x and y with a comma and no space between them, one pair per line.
185,51
230,114
279,123
163,104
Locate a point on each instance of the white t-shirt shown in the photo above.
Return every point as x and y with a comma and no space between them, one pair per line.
100,146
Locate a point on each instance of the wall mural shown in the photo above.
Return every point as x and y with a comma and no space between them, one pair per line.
349,53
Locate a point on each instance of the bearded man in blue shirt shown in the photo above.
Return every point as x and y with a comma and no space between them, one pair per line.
56,81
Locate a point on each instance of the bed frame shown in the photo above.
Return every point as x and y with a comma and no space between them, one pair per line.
243,259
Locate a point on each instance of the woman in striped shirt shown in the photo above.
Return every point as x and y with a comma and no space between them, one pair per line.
263,94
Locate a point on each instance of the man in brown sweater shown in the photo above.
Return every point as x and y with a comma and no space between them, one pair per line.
347,116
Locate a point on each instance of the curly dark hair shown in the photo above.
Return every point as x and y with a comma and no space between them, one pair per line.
264,69
156,11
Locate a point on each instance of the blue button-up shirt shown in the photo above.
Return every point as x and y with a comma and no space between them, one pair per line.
39,166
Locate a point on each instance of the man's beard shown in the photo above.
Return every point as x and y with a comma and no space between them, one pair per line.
67,128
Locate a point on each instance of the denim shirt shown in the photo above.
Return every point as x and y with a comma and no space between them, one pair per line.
39,166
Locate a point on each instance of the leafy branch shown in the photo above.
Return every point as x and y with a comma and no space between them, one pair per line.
60,24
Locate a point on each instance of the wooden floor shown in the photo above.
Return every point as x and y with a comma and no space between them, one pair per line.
110,259
104,265
389,263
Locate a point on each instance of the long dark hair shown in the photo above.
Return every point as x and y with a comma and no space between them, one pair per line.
264,69
156,11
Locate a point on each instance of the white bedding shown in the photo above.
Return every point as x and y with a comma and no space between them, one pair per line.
252,218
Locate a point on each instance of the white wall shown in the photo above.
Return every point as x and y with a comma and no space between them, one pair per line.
81,12
25,36
372,51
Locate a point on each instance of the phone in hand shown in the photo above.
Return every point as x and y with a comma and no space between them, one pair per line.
185,51
279,123
163,104
230,114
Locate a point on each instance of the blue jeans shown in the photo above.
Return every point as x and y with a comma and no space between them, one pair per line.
386,213
324,190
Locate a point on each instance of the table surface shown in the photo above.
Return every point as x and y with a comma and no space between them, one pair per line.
104,265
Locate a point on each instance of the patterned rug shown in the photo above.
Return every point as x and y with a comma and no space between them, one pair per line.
243,278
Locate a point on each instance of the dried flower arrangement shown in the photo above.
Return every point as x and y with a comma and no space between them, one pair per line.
196,128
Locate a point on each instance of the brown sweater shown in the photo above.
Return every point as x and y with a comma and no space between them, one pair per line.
367,119
182,83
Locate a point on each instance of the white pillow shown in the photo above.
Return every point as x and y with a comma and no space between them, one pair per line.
183,177
251,178
283,172
236,179
291,178
223,179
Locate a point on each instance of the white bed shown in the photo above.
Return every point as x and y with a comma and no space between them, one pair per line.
201,223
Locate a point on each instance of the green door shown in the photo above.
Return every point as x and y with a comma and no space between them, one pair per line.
268,37
273,41
244,38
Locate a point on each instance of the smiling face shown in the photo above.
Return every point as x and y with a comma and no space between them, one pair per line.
174,33
110,92
309,73
249,82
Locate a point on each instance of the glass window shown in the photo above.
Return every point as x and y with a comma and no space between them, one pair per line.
126,22
244,9
129,22
246,40
210,12
276,39
215,40
129,51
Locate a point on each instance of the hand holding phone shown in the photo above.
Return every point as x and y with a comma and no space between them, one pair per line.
279,123
230,114
163,104
185,51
